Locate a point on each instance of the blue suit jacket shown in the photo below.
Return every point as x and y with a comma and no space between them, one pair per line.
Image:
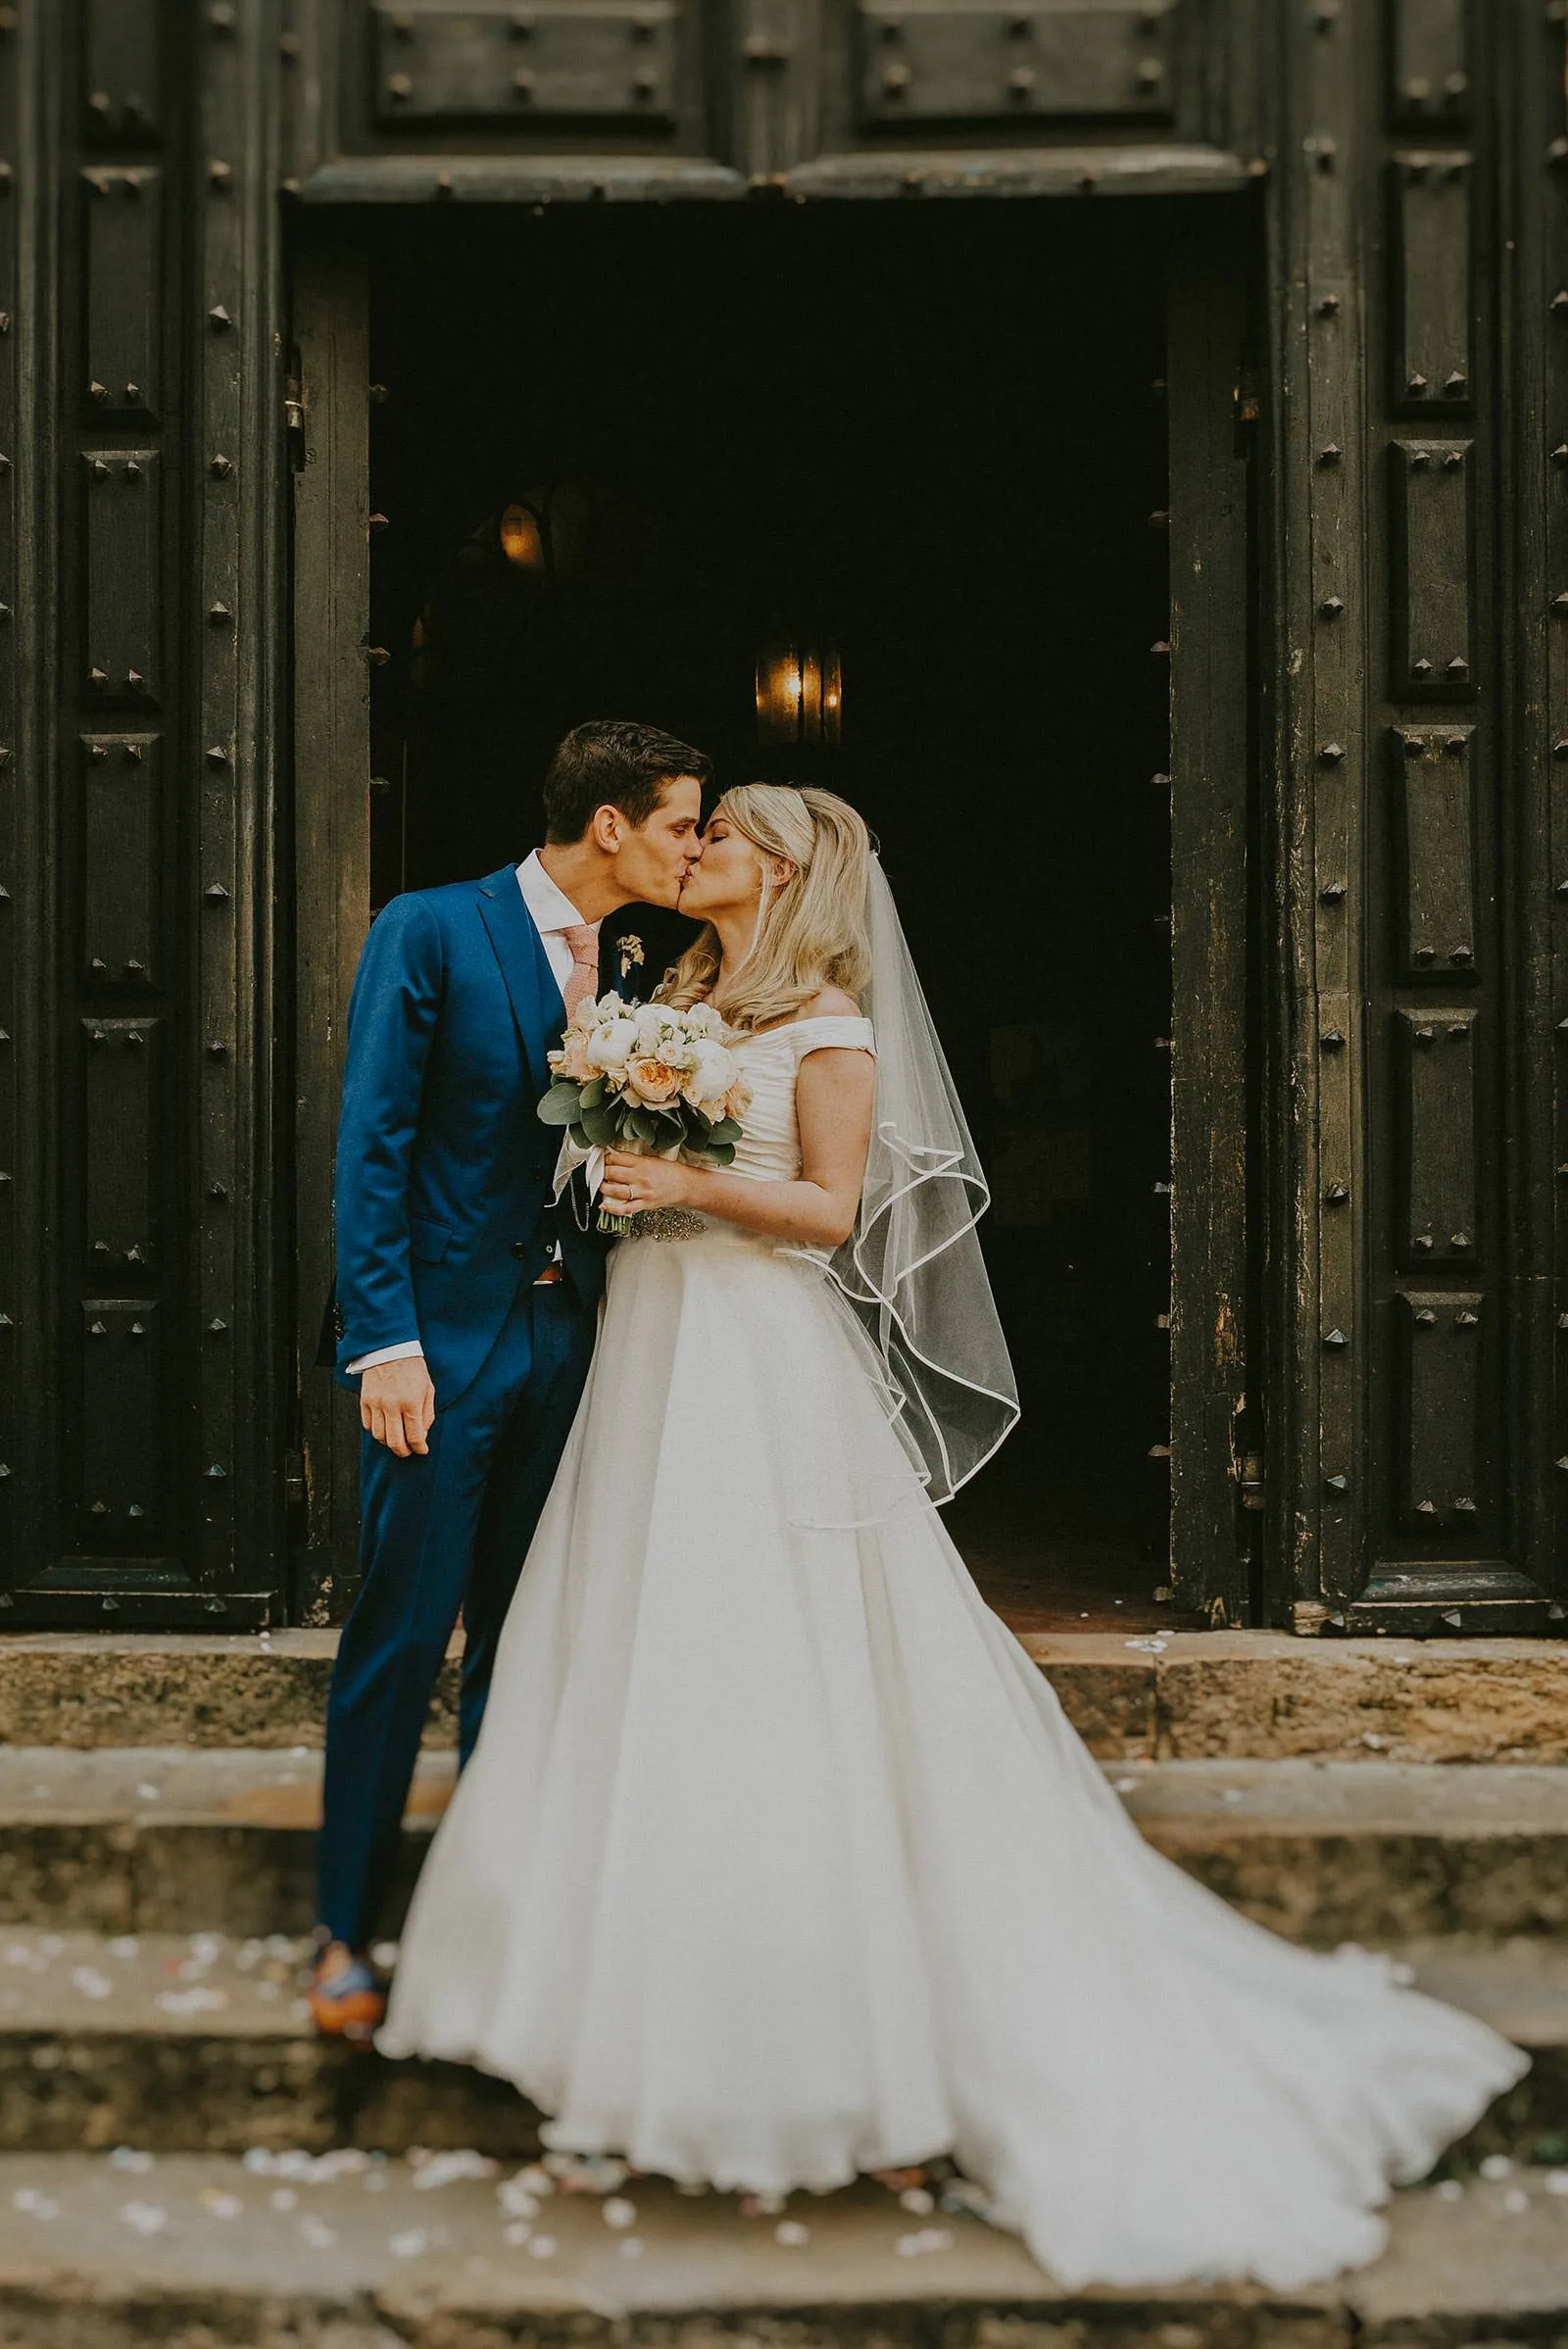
443,1196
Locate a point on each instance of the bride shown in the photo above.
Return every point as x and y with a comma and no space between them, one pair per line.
777,1860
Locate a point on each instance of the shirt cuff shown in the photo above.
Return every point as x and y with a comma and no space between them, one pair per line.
386,1353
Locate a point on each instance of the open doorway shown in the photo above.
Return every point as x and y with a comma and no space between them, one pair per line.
615,452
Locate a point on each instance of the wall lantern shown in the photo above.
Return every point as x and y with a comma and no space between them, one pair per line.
800,692
580,532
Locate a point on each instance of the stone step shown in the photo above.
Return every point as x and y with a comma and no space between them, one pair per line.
1368,1851
194,2043
161,1841
1179,1697
178,1839
203,2253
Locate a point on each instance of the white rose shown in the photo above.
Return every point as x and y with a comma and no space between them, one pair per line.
649,1022
712,1072
612,1045
704,1020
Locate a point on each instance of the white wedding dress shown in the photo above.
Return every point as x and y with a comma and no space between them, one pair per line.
777,1860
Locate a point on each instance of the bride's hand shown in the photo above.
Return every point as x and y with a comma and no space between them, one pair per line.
632,1182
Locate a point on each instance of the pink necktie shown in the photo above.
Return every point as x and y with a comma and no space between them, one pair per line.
584,977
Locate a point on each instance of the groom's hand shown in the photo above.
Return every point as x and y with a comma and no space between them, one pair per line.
397,1403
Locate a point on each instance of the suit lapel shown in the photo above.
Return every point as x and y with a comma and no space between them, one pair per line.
536,1003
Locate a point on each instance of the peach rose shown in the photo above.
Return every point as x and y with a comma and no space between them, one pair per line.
572,1060
653,1081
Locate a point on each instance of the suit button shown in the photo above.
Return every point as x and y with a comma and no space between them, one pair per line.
520,1247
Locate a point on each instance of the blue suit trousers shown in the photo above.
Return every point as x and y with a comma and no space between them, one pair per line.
444,1532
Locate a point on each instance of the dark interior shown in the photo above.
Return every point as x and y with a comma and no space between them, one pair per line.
934,437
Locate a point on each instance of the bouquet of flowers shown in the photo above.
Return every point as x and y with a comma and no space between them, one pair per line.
645,1077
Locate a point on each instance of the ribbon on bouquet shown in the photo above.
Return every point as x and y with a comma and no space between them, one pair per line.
572,1156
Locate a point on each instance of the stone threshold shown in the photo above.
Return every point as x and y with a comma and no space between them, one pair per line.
1157,1696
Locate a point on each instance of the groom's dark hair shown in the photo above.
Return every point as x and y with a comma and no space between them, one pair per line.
611,763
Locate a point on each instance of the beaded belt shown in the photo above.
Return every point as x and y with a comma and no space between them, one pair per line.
667,1223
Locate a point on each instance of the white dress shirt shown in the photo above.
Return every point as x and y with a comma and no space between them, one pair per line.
553,913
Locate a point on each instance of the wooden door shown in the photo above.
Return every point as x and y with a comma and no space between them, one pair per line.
140,1445
331,863
1416,628
1216,1414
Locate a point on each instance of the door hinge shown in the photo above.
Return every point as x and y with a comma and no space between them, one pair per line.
294,424
294,1479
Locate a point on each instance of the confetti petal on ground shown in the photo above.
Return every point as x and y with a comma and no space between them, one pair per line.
126,2156
409,2244
923,2241
222,2205
916,2200
619,2213
443,2169
791,2234
1497,2165
542,2246
317,2233
145,2217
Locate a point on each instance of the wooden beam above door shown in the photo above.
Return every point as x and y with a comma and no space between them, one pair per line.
393,101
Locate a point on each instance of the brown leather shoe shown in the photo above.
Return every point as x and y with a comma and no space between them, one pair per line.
348,1996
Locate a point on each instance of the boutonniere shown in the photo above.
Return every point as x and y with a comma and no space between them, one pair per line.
629,952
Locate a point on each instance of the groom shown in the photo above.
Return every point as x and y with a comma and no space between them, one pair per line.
468,1299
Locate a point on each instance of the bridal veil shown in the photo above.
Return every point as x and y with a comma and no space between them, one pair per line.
912,1272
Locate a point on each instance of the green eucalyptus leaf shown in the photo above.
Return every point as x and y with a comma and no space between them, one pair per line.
559,1105
601,1128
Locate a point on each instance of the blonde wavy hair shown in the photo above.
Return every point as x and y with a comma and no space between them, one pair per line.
810,929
